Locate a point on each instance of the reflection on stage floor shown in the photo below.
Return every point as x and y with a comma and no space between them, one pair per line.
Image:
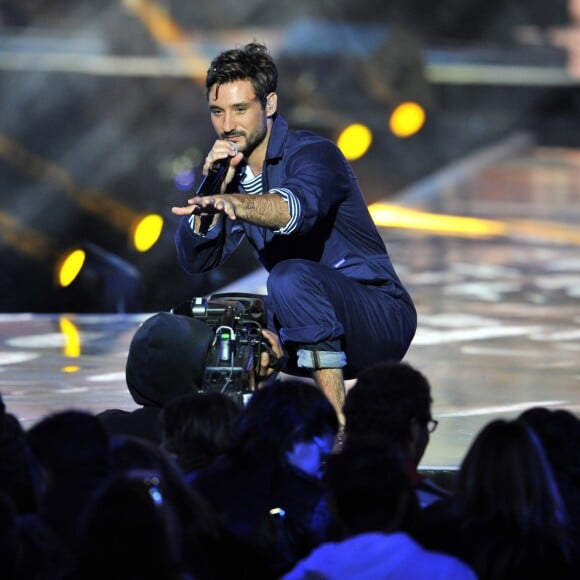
498,302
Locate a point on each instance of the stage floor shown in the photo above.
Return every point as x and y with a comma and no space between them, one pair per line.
499,311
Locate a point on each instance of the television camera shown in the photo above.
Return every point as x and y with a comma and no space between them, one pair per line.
234,356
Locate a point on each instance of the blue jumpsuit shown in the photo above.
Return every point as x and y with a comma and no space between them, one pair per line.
333,294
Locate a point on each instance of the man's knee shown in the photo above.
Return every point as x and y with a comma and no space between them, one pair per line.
290,277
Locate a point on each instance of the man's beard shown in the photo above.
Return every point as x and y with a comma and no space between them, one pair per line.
252,141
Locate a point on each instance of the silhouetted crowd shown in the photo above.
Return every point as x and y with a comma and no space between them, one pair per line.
192,485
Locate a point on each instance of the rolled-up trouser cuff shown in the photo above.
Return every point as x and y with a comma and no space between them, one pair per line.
321,359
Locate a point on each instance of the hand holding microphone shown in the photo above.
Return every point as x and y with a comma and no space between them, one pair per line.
210,185
211,182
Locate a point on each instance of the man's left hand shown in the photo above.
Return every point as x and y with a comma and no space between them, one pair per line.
209,204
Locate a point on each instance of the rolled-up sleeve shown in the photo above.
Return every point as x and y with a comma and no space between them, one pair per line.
294,208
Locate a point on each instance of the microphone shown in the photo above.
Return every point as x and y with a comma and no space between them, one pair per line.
209,185
211,182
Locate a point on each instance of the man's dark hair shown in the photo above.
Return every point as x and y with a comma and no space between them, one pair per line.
197,427
252,62
277,417
384,399
69,443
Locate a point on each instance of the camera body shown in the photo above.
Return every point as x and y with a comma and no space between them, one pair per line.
233,359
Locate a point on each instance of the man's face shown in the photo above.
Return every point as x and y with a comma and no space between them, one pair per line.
237,115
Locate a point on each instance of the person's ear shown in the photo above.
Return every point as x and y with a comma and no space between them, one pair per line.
271,103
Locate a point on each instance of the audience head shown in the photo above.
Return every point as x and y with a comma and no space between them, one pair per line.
286,421
391,400
370,488
197,427
505,477
166,358
559,433
130,453
197,520
15,475
69,444
131,530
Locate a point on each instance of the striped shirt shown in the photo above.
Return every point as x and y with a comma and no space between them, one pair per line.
252,184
